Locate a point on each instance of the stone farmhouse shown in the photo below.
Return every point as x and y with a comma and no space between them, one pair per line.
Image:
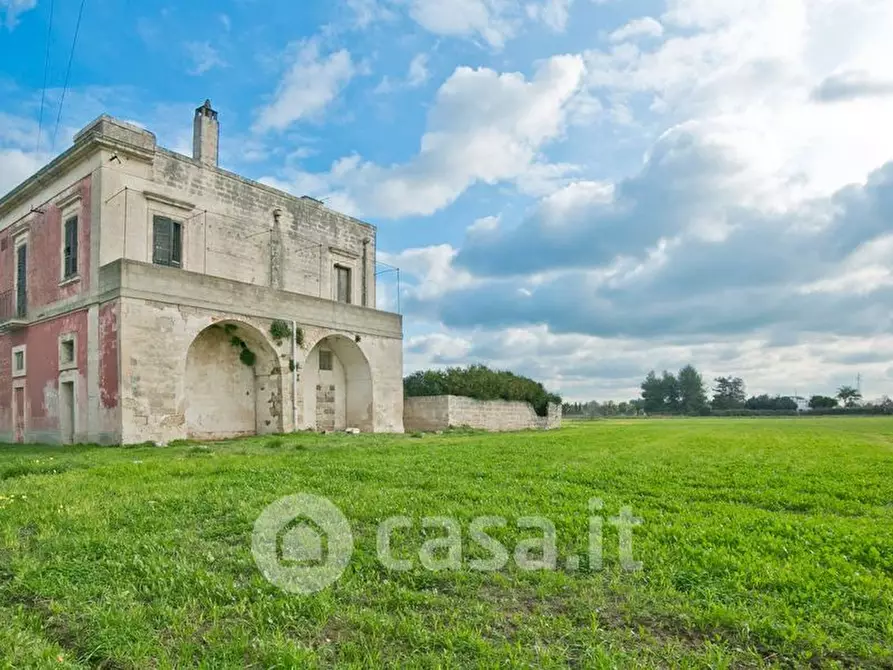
150,296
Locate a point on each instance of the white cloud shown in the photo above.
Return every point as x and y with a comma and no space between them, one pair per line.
416,76
204,57
367,12
553,13
744,75
484,127
12,9
644,27
483,225
309,86
490,20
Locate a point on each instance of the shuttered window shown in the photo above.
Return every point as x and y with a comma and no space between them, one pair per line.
70,248
167,242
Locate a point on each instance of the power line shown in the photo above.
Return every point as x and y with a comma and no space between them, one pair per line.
77,29
46,69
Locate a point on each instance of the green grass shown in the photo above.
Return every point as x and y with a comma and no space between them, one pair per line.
764,542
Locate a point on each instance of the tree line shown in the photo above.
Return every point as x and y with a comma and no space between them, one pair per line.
685,392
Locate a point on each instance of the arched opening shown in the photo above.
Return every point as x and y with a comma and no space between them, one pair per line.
337,386
233,383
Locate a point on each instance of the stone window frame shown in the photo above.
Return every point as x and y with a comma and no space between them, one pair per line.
69,207
178,211
338,268
66,338
329,357
16,371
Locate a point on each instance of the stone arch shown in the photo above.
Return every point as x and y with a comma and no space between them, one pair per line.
340,397
224,395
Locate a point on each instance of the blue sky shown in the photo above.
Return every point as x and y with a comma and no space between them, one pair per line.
579,190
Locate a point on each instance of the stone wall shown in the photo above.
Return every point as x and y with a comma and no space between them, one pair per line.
445,411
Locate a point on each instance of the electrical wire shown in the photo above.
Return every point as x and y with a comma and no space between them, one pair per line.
77,30
46,69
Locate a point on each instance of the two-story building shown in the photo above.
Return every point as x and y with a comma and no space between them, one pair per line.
150,296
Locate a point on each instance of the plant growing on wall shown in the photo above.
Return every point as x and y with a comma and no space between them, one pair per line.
247,356
281,330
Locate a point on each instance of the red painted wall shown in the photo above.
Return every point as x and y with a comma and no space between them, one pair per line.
108,354
45,253
42,339
42,371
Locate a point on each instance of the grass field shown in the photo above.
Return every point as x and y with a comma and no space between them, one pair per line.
763,542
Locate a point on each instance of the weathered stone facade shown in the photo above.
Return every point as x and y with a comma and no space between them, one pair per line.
183,267
432,413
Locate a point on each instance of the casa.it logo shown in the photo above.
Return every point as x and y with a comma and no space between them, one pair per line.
302,543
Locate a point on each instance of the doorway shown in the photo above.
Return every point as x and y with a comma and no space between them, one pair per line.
66,412
18,410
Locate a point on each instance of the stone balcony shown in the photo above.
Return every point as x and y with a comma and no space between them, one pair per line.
134,279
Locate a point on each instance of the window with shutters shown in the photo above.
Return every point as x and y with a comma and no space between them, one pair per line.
21,278
70,248
167,242
342,283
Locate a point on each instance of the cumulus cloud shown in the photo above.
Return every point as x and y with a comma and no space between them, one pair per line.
483,127
312,82
12,9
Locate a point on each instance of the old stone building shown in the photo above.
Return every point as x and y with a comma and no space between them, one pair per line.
146,295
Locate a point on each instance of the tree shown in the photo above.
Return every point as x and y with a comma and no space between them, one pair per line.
653,398
669,386
822,402
690,385
728,393
849,396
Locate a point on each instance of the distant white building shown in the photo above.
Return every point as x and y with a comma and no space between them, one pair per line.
802,403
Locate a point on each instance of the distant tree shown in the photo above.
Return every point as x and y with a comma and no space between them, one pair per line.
729,393
690,385
653,397
849,396
822,402
669,386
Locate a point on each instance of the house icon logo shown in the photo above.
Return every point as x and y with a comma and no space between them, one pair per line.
302,543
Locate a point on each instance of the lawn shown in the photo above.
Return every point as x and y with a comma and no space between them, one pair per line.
763,542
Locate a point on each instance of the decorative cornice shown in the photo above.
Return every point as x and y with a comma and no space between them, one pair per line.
68,200
85,147
168,200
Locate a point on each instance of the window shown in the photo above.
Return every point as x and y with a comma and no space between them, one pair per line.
342,282
325,360
70,248
18,361
167,240
22,280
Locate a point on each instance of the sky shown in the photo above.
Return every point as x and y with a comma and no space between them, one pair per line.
575,190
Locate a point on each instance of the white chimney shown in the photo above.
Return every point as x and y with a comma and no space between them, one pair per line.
205,135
